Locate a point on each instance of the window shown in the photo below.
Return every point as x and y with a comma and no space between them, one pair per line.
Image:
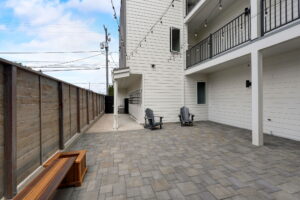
201,97
174,39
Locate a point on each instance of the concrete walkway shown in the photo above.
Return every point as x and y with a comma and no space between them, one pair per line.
105,124
206,162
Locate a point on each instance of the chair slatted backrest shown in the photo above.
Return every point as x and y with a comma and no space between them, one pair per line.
185,114
150,116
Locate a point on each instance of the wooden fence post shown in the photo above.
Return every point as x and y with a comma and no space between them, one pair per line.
87,106
61,115
10,134
93,101
78,111
40,121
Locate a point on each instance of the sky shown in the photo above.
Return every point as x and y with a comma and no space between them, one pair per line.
64,26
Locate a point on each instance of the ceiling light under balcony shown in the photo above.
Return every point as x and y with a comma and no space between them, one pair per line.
205,24
220,5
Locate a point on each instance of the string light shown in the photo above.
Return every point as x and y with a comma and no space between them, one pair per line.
205,24
220,5
160,20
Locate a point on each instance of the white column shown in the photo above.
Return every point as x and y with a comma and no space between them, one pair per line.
255,19
257,97
116,125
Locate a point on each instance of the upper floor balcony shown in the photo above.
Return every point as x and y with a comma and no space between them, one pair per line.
213,32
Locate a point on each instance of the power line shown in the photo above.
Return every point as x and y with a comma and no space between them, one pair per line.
112,58
63,70
67,67
90,83
48,52
72,61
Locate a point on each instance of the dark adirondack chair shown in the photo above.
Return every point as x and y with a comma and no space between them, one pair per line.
185,117
150,120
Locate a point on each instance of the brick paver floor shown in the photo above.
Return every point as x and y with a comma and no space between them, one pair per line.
207,161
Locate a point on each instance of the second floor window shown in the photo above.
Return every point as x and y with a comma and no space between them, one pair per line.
174,40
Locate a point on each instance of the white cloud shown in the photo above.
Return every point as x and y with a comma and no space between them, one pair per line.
3,27
53,27
37,12
94,5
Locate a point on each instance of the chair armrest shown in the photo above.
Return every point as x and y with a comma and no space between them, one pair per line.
160,119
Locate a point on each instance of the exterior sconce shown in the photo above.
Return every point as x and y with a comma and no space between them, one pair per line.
248,84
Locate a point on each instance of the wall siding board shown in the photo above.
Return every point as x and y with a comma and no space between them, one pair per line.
28,130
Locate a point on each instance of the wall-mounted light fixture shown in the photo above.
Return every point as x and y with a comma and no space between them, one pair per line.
248,83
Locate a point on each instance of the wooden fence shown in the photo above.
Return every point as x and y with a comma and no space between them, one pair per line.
38,116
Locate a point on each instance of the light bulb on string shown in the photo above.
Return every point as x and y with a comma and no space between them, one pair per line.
205,24
220,5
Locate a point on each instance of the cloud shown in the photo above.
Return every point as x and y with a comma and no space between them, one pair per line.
94,5
37,12
52,26
3,27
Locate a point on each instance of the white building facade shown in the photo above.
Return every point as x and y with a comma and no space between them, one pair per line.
230,62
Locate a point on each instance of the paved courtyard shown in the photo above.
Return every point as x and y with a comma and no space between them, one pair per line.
208,161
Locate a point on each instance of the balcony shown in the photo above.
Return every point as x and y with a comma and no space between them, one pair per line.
233,34
278,13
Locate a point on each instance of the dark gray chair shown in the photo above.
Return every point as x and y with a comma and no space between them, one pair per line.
185,117
150,120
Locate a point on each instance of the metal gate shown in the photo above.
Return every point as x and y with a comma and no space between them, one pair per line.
109,104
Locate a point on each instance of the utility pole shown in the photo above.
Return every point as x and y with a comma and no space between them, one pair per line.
107,40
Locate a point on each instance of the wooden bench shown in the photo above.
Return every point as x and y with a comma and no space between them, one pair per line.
76,174
43,187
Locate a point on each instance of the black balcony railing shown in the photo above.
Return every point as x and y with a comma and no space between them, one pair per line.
277,13
234,33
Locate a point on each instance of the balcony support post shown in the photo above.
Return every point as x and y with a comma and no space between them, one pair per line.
115,127
256,19
257,97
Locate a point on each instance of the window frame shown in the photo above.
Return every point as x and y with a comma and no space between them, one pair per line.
205,93
171,39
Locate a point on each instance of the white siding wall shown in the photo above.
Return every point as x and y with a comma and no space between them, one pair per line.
162,86
122,94
230,101
200,111
136,110
282,95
